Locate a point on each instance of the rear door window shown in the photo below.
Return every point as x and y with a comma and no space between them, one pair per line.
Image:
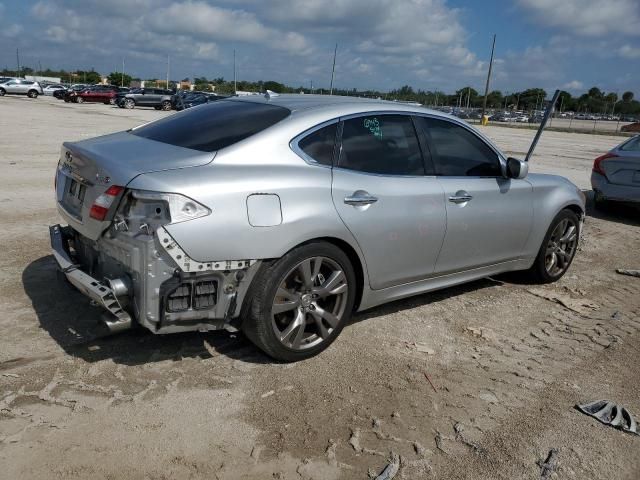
319,145
632,145
214,125
381,144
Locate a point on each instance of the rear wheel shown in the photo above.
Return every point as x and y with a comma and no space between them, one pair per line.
79,100
558,248
2,92
166,105
112,101
129,103
299,304
32,94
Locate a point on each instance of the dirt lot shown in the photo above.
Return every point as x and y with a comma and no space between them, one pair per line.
508,361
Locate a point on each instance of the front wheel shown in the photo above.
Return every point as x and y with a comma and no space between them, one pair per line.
558,248
79,100
2,92
112,101
298,305
129,103
166,105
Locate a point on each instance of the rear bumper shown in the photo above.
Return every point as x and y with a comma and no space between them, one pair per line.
610,191
99,292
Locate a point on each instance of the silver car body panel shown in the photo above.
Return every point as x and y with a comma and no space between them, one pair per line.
266,197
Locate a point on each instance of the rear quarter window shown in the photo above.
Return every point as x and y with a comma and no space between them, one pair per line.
213,126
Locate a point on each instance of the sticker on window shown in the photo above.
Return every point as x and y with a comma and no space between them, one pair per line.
373,125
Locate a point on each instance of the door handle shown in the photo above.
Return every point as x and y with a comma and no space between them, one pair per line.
460,197
360,200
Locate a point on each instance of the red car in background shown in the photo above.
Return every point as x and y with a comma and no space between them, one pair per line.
99,93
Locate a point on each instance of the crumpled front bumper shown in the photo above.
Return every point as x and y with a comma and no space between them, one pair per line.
99,292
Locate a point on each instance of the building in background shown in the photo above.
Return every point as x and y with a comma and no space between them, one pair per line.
37,78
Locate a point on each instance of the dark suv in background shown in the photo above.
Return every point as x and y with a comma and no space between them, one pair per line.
158,98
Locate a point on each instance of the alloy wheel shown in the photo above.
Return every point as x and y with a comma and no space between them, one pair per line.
561,247
309,303
128,103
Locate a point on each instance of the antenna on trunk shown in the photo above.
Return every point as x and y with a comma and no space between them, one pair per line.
543,124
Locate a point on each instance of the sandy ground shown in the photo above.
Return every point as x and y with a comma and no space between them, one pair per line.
508,361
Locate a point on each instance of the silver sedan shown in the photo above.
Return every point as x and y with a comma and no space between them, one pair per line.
616,174
283,215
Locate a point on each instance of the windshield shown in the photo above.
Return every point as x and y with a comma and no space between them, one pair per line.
213,126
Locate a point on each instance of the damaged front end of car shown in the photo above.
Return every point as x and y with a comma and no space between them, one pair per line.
139,273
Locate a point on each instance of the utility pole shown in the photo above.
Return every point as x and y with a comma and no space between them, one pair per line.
122,76
235,88
168,65
486,88
18,60
333,70
468,96
311,89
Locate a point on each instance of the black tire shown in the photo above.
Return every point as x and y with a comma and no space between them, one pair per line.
32,94
79,100
2,92
112,101
538,273
166,106
128,103
257,309
157,108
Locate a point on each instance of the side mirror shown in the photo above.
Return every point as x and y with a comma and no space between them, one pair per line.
517,169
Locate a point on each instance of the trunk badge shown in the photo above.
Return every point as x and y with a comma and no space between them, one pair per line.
103,179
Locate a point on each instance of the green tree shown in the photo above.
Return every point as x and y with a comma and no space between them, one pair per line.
627,97
88,76
120,79
274,86
595,92
495,99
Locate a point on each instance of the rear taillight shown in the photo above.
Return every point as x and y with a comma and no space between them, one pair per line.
101,206
597,167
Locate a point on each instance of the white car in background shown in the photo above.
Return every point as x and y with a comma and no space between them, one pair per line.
20,86
49,89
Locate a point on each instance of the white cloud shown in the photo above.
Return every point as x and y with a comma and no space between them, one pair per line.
201,20
574,85
595,18
629,51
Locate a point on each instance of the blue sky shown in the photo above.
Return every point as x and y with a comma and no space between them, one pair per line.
444,44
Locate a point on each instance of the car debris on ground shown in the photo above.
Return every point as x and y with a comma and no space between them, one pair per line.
610,413
631,273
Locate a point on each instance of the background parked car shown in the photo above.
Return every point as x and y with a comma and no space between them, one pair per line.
182,100
50,89
71,92
21,87
159,98
632,127
98,93
616,174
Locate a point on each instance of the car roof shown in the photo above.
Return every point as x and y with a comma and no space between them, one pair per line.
333,106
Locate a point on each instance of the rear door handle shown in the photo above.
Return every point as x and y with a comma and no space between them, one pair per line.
460,197
360,200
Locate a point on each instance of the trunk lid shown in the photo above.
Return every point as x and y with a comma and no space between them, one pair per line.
623,169
88,168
